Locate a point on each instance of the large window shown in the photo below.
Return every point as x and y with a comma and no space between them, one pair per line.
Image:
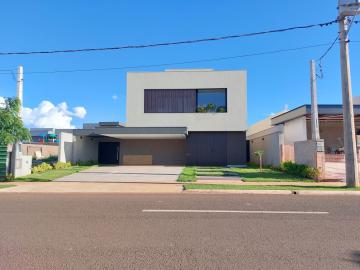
211,100
185,101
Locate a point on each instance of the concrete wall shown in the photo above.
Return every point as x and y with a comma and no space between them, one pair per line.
84,149
234,120
163,152
271,147
65,152
306,153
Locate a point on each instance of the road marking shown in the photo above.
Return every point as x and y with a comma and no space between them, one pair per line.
233,211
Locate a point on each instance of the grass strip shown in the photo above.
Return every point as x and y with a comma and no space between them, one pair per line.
51,174
188,174
253,174
6,186
255,187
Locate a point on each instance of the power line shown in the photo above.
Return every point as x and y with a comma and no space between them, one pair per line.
140,46
179,63
331,47
336,39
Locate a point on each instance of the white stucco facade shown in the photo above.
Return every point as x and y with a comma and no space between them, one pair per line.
295,130
235,119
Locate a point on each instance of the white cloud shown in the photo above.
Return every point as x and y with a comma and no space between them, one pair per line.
114,97
79,112
2,102
47,115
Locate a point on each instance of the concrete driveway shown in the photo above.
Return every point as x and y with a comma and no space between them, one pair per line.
126,174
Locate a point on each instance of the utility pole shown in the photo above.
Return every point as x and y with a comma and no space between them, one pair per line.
315,135
352,172
16,157
20,86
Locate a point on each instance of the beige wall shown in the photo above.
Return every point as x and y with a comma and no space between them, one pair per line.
235,82
45,149
163,152
270,145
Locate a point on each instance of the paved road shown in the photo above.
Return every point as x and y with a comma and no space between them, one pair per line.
104,231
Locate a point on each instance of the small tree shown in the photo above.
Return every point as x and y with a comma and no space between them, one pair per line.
211,107
260,154
12,128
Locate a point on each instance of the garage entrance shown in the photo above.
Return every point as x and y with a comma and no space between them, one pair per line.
109,153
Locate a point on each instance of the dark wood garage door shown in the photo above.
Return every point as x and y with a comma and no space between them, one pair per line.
109,153
216,148
207,148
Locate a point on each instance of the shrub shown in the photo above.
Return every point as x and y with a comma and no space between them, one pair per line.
43,167
62,165
9,177
86,163
299,170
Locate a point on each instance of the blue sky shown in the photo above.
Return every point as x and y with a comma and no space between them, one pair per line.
274,81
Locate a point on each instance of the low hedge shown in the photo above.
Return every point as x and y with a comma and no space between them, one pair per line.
299,170
43,167
62,165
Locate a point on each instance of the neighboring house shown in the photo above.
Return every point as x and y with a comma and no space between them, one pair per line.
277,134
44,142
175,117
44,135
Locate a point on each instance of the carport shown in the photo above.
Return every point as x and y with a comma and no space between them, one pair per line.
118,145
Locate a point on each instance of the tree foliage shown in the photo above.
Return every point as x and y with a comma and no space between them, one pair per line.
12,128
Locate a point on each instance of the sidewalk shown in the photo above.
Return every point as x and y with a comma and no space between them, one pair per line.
78,187
101,187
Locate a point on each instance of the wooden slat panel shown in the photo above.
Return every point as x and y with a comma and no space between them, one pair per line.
137,160
169,100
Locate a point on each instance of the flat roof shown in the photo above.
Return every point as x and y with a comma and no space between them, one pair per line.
134,132
323,109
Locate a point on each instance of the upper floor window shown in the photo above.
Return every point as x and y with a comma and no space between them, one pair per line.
185,100
211,100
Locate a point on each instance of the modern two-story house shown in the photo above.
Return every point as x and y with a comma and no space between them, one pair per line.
175,117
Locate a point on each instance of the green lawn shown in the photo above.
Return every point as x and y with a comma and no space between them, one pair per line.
249,174
254,187
51,174
6,186
252,174
187,175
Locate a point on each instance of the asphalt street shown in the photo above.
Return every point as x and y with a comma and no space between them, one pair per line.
185,231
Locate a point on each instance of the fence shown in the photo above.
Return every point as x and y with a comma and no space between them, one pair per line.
3,157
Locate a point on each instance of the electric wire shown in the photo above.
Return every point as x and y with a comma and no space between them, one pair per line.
177,63
141,46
